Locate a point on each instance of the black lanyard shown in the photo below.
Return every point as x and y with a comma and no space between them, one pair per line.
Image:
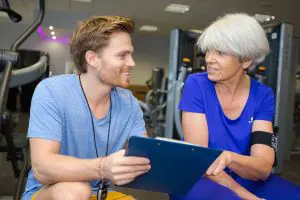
102,191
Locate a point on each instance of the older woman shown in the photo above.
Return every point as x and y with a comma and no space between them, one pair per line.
226,109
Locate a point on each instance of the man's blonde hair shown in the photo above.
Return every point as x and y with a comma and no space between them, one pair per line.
93,34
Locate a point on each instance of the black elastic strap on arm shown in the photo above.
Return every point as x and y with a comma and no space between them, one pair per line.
266,138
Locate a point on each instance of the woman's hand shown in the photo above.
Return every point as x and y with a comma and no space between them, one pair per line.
245,194
121,169
220,163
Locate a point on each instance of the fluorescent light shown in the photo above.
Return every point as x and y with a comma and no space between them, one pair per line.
52,33
84,1
179,8
54,37
4,15
148,28
196,31
264,18
51,27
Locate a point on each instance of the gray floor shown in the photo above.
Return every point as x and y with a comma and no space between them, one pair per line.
6,198
8,182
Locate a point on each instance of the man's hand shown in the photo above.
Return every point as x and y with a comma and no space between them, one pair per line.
220,163
121,169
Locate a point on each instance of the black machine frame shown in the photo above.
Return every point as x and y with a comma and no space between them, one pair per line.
8,59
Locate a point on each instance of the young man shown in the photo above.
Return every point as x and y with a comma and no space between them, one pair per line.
78,123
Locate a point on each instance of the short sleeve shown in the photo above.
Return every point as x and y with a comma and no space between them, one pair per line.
266,107
45,119
138,128
192,99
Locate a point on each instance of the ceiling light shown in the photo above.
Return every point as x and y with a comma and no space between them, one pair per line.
52,33
179,8
148,28
3,15
264,18
51,27
84,1
196,31
54,37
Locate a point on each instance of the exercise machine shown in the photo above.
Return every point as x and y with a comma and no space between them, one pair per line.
155,103
14,75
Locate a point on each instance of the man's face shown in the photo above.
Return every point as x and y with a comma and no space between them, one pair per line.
115,61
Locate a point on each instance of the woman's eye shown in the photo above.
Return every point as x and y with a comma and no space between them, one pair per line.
221,53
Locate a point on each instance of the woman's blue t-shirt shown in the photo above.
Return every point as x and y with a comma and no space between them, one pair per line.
199,96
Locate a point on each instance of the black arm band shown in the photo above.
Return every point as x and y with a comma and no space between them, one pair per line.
262,137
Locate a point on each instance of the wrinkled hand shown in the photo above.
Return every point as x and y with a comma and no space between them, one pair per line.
220,163
251,197
121,169
248,195
245,194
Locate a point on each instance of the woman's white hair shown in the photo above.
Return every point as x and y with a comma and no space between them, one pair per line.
236,34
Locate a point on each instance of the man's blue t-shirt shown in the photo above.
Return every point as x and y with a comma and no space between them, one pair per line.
199,96
60,112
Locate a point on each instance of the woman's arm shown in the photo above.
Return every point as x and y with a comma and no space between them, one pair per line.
194,126
257,166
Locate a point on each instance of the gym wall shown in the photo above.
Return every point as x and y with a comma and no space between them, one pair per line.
150,51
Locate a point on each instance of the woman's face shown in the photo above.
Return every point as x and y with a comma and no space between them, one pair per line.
222,66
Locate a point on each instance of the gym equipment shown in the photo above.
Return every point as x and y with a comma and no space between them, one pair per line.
155,103
295,141
279,74
13,15
11,77
182,49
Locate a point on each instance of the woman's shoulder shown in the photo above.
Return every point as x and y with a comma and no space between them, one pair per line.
259,88
261,93
199,78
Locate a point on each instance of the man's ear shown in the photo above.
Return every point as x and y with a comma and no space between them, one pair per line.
91,59
246,63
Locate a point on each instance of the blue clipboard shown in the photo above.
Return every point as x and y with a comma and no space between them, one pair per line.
175,167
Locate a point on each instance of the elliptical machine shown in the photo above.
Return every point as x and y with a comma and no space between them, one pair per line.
11,77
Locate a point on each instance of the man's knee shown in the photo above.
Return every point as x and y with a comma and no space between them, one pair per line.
71,191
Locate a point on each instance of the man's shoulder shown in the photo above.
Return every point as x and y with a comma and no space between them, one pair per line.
59,82
59,79
56,85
